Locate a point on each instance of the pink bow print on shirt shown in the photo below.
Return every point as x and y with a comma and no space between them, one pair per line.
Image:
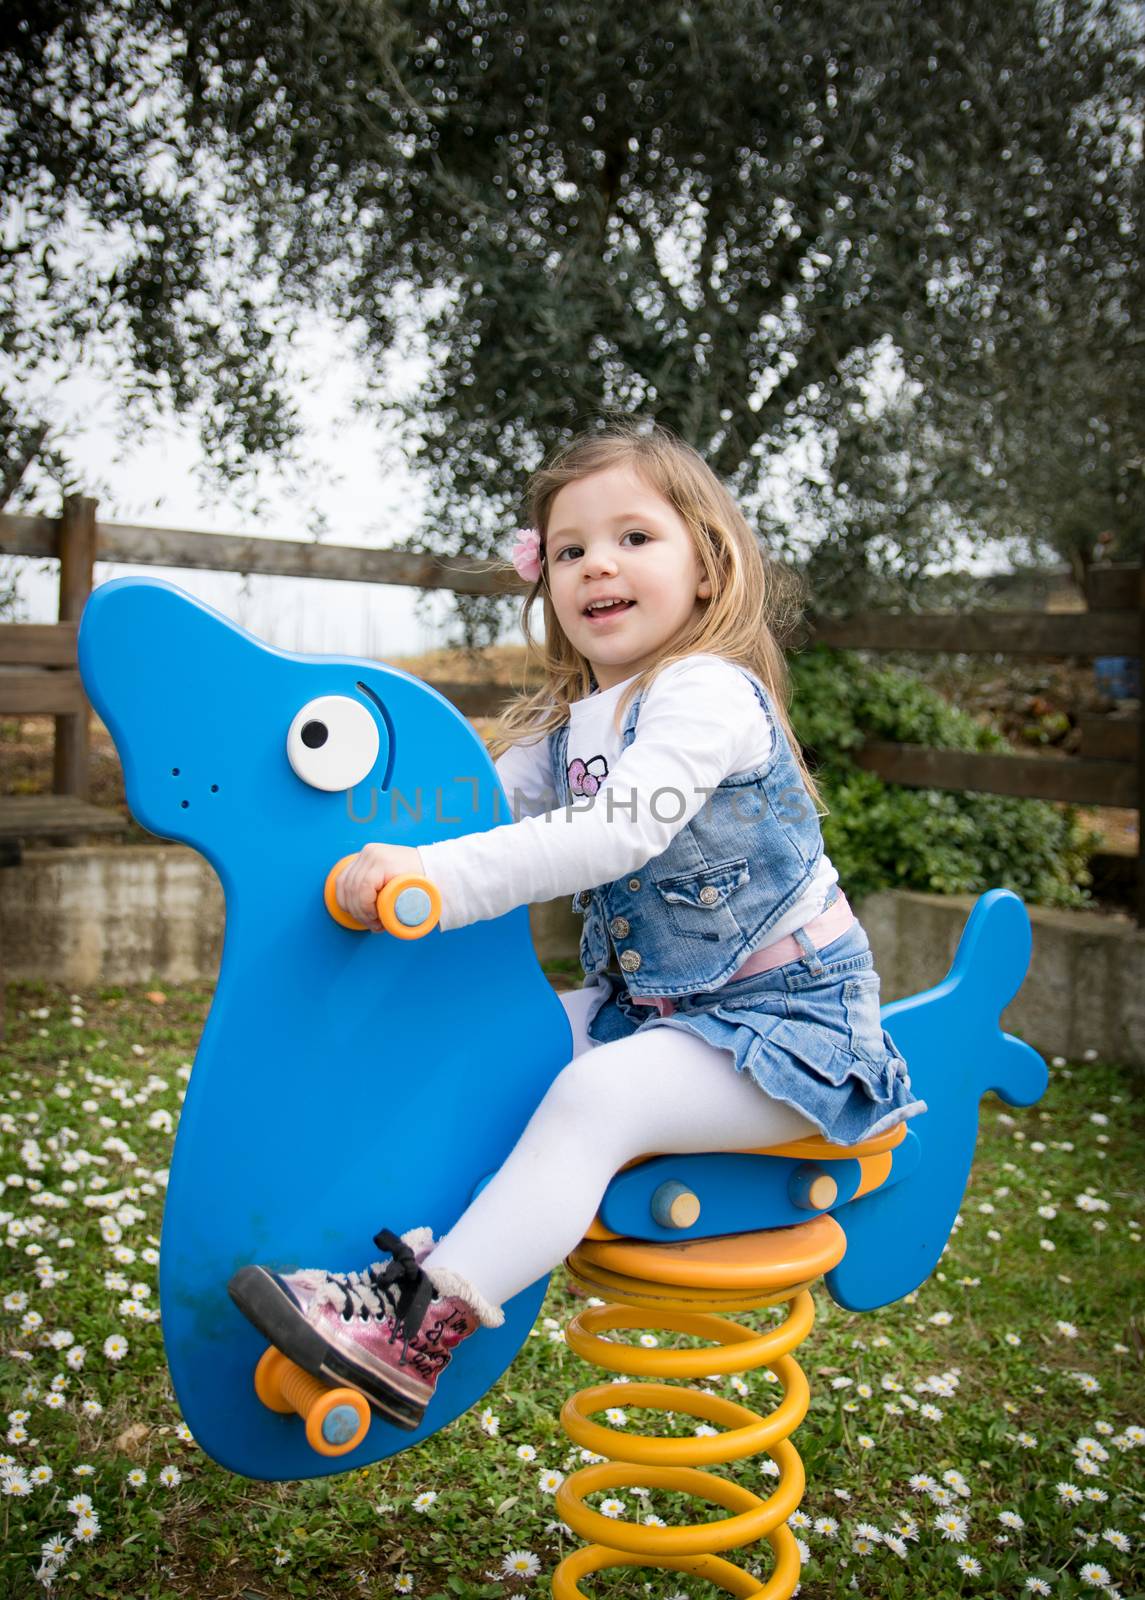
586,777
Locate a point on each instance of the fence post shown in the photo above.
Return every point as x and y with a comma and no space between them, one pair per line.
70,766
1141,746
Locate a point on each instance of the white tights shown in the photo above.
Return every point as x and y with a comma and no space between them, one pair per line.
661,1089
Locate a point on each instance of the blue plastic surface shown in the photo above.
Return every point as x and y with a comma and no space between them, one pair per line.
345,1081
734,1191
954,1046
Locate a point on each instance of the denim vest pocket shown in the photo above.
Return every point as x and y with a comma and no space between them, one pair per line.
697,900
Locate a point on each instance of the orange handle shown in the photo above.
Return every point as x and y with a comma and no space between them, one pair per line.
408,907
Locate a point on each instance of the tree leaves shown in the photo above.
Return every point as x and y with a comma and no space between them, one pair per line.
738,217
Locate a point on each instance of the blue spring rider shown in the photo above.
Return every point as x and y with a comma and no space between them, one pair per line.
305,1123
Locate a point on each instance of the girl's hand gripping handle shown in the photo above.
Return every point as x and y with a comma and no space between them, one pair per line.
376,890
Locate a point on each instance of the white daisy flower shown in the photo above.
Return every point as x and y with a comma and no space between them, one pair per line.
520,1563
951,1526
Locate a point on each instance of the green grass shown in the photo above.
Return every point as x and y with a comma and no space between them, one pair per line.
87,1111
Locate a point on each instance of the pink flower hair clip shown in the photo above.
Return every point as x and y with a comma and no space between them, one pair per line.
527,554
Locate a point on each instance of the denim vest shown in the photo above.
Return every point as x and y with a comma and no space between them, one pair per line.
689,918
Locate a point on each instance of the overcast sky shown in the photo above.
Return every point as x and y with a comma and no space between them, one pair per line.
360,483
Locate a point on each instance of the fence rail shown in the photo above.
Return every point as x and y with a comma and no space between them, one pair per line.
38,661
1010,633
278,558
1072,778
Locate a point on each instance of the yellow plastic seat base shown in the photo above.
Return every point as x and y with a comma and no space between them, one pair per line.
737,1272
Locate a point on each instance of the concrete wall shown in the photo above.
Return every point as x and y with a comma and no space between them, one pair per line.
1085,989
111,914
129,914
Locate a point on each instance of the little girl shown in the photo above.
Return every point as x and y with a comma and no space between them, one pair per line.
657,767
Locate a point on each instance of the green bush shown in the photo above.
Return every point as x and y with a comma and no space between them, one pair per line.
881,835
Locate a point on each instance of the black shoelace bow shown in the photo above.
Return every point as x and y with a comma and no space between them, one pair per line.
402,1289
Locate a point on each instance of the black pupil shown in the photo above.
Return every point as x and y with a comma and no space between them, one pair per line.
315,735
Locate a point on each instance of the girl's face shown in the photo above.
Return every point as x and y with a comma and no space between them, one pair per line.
612,536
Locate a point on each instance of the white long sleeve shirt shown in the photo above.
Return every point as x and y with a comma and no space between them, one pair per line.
700,722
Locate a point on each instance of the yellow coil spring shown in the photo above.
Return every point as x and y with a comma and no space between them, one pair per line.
647,1461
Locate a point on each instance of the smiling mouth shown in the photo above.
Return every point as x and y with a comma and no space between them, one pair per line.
609,611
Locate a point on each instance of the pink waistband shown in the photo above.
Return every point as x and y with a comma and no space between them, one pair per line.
821,930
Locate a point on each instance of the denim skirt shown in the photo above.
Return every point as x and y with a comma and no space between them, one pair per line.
809,1033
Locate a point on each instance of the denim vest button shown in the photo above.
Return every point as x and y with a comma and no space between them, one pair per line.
709,896
584,898
618,927
630,961
634,883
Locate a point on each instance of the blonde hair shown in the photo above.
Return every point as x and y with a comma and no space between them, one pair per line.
752,599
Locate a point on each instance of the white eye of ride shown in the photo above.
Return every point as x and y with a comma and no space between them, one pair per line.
333,742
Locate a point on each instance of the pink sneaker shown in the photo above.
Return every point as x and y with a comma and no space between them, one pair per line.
388,1331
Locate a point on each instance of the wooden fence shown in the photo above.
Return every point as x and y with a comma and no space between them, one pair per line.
38,670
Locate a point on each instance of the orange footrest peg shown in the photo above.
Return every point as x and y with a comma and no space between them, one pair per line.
336,1419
